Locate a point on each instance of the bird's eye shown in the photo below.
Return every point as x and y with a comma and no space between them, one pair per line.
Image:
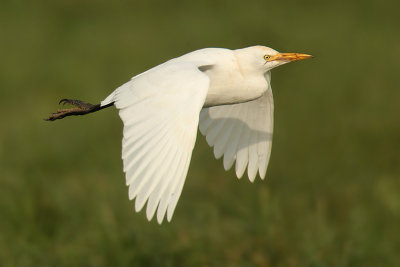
266,57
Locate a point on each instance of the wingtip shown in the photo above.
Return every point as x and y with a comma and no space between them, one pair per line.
239,173
262,174
218,153
228,162
160,219
252,175
169,217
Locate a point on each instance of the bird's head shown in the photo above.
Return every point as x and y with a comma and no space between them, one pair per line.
264,59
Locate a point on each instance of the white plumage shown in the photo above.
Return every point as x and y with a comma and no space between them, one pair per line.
225,92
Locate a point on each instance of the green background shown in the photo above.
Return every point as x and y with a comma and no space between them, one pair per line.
332,193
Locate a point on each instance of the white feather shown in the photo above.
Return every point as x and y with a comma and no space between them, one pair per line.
157,115
242,132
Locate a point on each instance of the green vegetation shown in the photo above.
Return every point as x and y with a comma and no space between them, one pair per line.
332,193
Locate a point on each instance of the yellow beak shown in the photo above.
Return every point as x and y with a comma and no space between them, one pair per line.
289,57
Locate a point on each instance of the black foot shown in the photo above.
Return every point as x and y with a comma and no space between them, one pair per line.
82,108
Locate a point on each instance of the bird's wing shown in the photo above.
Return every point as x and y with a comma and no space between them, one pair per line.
241,132
160,112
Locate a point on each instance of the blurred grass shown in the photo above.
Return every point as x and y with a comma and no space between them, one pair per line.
332,194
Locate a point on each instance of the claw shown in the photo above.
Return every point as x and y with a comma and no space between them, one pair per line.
77,103
71,102
63,101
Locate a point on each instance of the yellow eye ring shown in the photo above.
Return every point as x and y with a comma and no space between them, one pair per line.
266,57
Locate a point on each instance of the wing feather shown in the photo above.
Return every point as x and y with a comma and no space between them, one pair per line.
160,112
216,130
153,199
146,163
241,132
221,146
253,143
151,177
266,135
230,153
242,156
166,192
177,190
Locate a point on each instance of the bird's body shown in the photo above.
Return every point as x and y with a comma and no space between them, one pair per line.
225,92
231,81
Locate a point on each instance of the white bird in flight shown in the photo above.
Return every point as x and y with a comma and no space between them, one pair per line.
227,93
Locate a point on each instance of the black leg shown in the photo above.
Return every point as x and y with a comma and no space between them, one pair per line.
81,108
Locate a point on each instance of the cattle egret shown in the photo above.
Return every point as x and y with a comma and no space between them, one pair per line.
227,93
